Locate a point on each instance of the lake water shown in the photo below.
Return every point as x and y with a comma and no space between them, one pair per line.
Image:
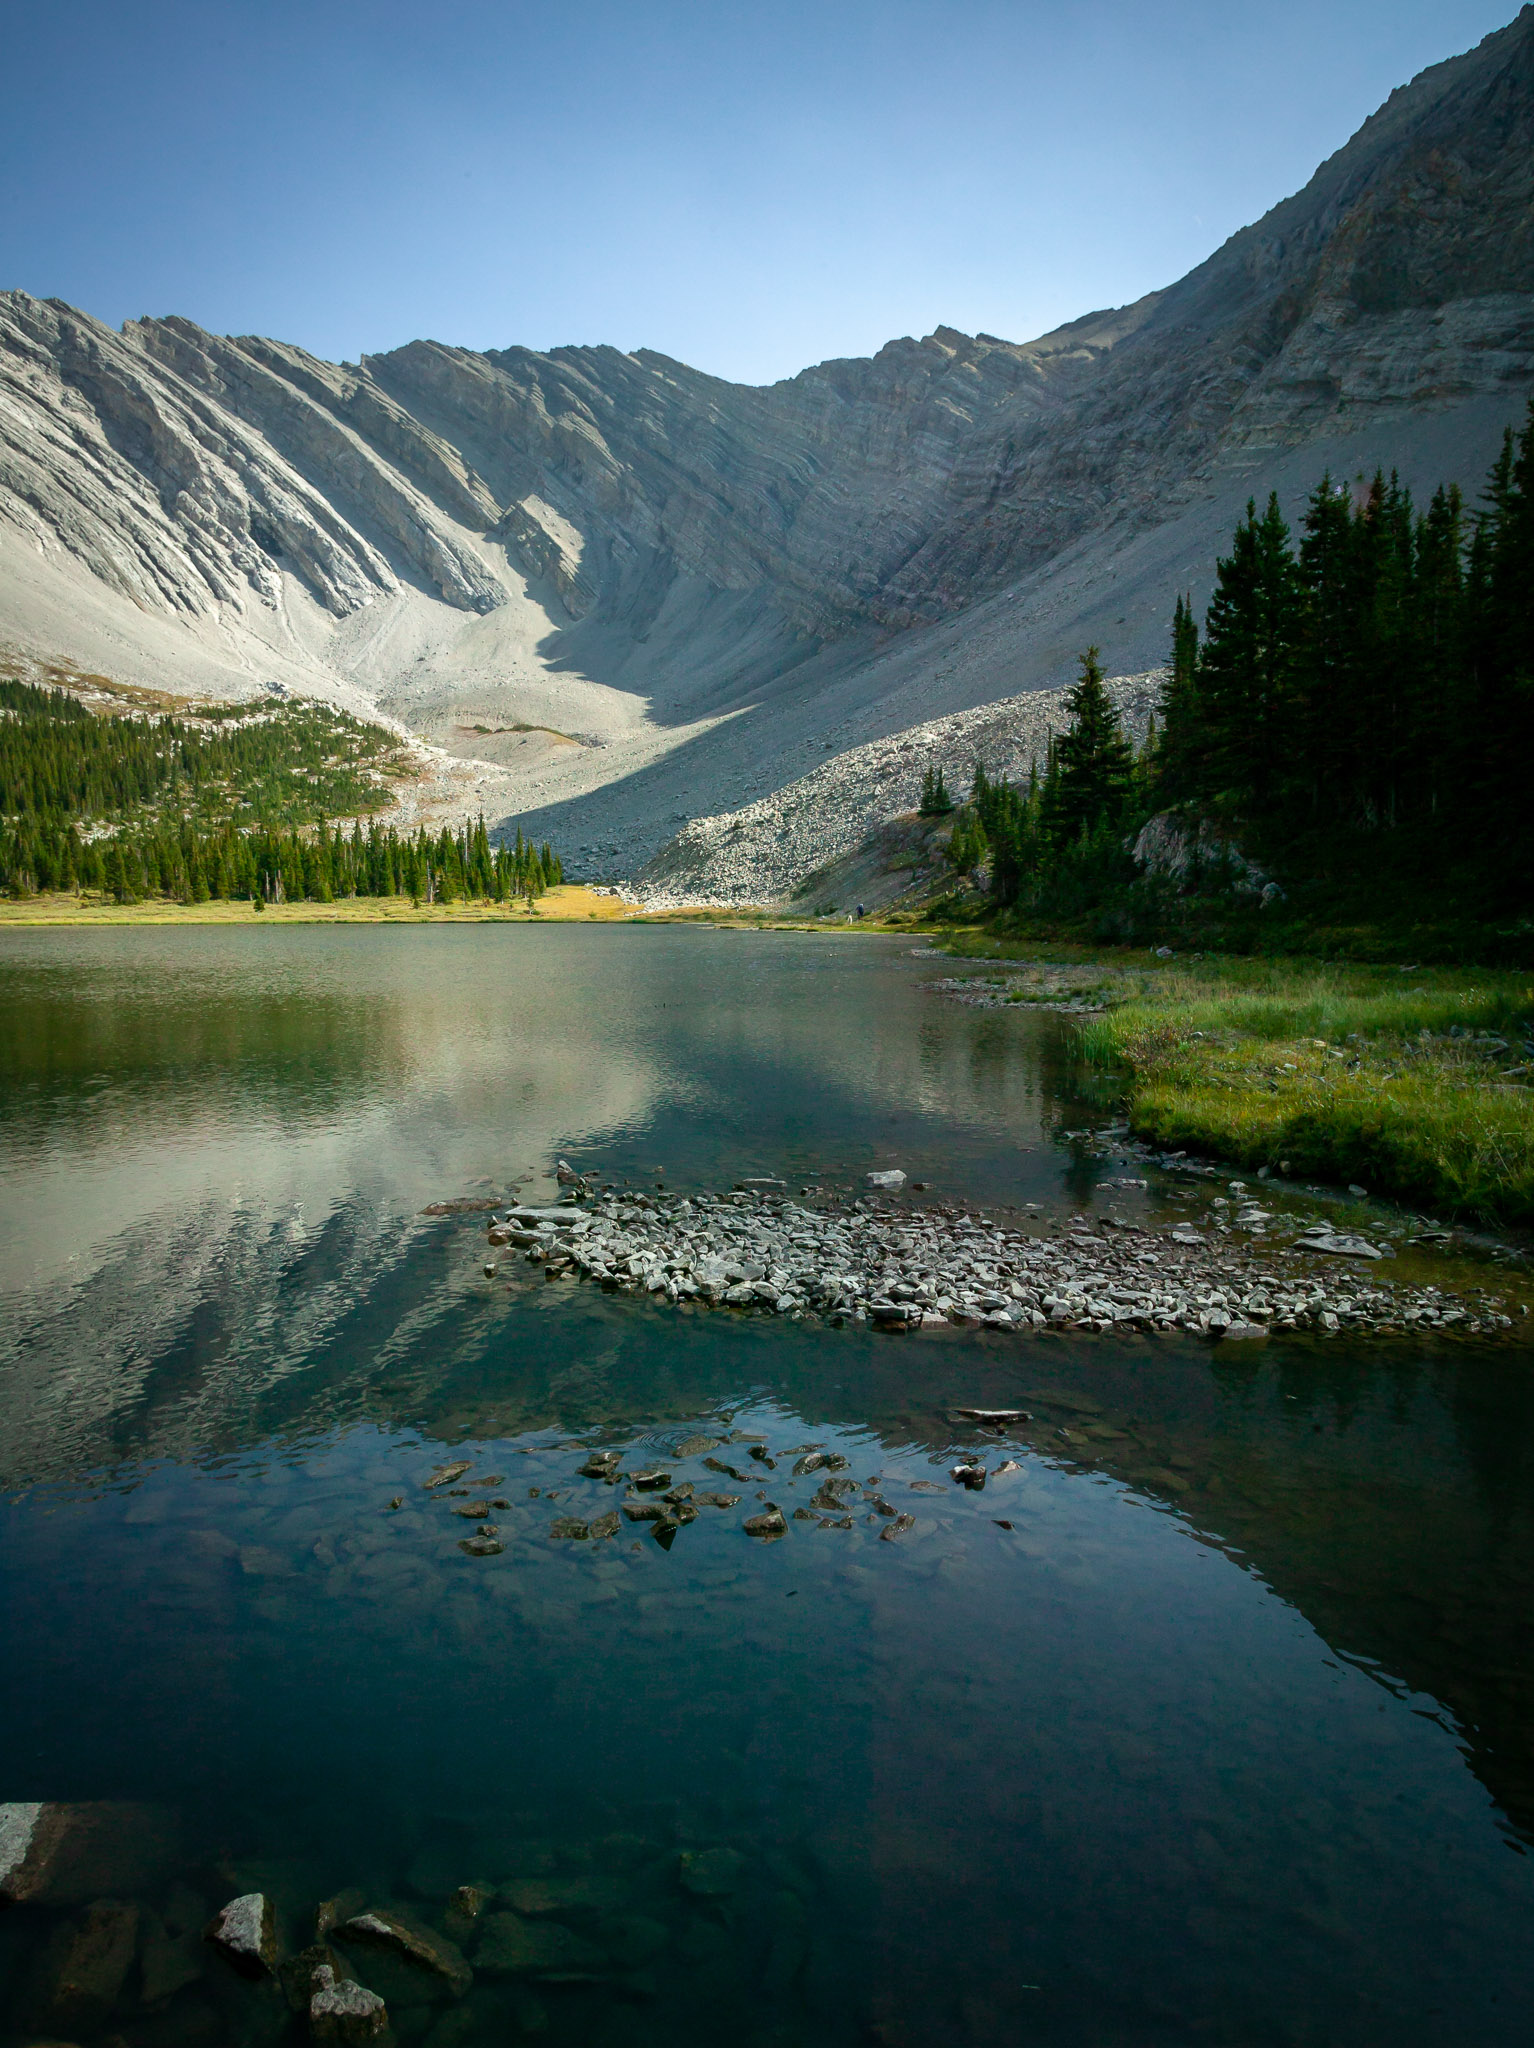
1212,1722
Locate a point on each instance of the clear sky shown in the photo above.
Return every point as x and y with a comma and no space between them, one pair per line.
750,185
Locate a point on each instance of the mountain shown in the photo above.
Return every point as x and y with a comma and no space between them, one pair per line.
646,593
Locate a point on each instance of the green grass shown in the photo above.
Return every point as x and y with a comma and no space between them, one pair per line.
1224,1056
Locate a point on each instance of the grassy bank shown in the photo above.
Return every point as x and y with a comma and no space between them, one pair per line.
566,904
1414,1084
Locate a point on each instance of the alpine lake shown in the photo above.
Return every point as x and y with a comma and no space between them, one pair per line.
1207,1718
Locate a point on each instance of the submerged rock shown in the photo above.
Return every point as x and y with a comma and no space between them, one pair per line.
245,1934
341,2010
299,1975
711,1873
68,1853
591,1892
171,1952
412,1943
465,1909
513,1947
85,1966
692,1446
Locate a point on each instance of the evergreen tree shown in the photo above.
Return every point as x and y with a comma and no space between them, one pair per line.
1091,764
1246,670
1175,758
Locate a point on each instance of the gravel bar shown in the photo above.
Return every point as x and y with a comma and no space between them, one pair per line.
904,1268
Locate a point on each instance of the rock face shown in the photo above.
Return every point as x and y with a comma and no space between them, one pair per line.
628,551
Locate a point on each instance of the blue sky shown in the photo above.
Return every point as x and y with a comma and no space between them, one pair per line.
748,187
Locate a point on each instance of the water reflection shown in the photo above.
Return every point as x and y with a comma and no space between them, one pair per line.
1161,1735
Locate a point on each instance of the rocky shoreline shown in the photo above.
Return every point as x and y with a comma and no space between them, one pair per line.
881,1260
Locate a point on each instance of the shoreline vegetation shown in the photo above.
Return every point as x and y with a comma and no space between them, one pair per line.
564,903
1415,1082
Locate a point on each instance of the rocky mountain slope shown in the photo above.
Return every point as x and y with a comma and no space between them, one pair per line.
762,852
641,593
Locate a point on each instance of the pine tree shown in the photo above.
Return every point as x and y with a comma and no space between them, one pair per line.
1092,766
1247,668
1174,760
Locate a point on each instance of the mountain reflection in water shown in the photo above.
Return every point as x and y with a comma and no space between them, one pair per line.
1172,1722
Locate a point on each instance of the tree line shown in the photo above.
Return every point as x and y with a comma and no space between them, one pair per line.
277,763
50,840
191,864
1364,694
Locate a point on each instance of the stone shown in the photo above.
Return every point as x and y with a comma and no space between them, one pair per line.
481,1546
465,1910
420,1946
1341,1244
831,1493
245,1934
68,1853
651,1480
891,1177
694,1446
85,1965
1245,1333
711,1873
892,1530
972,1476
768,1525
634,1939
444,1475
511,1946
604,1526
474,1510
569,1527
342,2010
299,1974
586,1892
171,1953
894,1314
602,1464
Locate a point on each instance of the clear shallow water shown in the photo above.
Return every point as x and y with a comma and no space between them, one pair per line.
1226,1738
